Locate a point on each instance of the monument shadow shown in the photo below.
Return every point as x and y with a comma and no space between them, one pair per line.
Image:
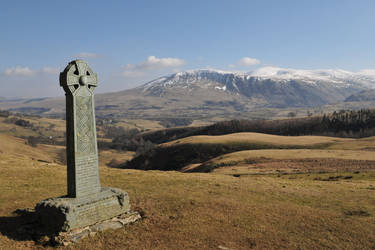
24,226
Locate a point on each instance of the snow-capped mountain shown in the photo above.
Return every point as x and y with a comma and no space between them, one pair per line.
212,94
364,77
275,87
342,78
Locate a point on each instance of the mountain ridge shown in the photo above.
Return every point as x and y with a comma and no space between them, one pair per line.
365,77
203,94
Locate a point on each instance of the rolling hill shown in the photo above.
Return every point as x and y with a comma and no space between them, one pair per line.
269,198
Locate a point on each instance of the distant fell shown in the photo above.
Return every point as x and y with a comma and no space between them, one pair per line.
363,96
211,94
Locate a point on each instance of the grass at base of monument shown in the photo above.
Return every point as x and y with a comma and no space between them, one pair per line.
200,211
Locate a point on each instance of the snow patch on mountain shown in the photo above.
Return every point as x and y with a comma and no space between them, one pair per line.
221,88
224,80
366,77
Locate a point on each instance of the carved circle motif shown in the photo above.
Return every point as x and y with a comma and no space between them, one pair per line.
78,74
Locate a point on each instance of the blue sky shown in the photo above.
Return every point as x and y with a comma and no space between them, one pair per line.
130,42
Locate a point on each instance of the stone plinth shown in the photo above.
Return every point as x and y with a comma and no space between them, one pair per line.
64,213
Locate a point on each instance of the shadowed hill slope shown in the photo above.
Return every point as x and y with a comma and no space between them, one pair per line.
196,149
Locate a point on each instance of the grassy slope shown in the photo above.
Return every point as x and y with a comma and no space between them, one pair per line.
258,138
342,150
200,211
14,149
176,155
205,210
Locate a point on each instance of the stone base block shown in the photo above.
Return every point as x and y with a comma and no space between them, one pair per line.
74,236
65,214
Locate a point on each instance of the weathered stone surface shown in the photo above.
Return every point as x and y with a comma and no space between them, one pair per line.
74,236
107,225
87,202
64,214
129,218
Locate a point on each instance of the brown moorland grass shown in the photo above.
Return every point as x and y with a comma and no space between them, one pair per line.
201,211
45,127
367,144
265,160
247,138
265,166
14,149
181,153
140,124
12,129
352,151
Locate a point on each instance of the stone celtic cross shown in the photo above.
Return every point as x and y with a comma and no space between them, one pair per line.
87,202
79,82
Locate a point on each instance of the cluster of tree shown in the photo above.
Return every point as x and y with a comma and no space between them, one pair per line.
175,122
23,123
136,144
360,123
117,131
41,139
18,122
164,135
4,113
125,139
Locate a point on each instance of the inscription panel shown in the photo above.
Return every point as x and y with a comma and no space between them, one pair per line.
87,175
98,211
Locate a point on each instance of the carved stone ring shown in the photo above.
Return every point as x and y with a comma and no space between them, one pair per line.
78,74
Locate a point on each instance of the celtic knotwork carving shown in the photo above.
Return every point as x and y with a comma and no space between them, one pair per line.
84,129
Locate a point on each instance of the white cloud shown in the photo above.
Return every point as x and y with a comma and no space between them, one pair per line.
245,62
85,55
26,71
49,70
150,64
248,61
18,71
